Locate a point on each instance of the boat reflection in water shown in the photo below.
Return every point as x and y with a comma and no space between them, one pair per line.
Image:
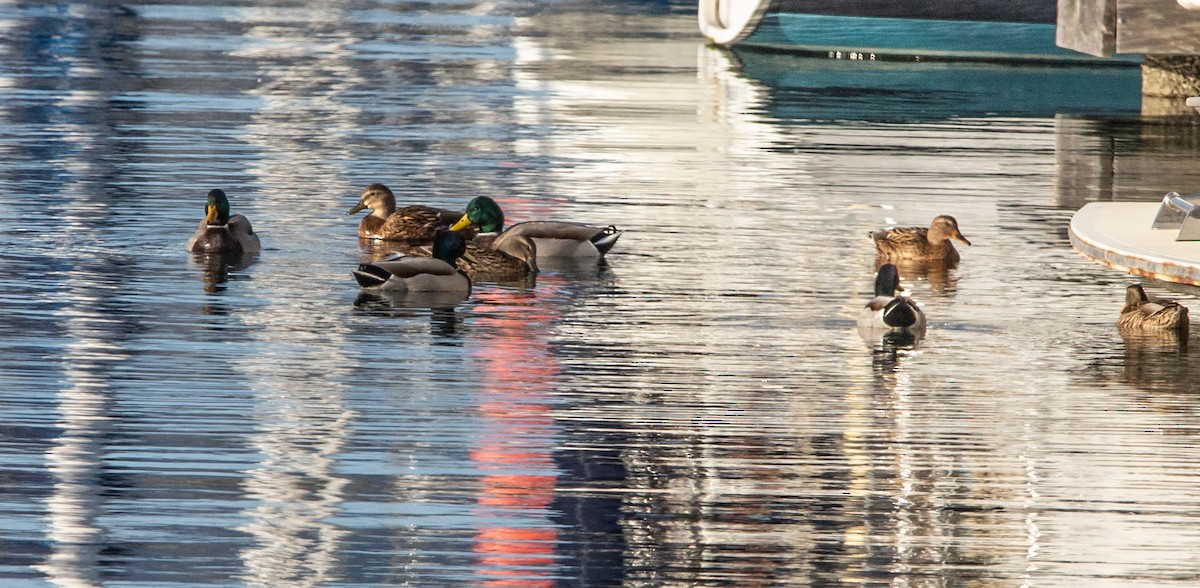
803,89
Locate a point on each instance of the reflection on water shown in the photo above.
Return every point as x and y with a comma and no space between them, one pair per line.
807,89
216,268
699,409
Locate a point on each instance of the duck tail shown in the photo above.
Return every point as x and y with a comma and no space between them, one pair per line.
370,276
604,240
899,313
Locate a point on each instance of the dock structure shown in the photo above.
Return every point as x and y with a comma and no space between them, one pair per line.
1166,32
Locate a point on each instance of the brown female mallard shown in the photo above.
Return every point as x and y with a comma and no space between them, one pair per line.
1142,314
916,243
411,224
508,259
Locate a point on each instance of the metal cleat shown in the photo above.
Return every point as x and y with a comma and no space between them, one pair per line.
1180,213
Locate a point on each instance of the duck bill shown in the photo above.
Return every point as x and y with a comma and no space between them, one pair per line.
470,258
210,215
357,207
462,223
960,237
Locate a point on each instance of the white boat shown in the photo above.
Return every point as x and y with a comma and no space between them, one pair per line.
1150,239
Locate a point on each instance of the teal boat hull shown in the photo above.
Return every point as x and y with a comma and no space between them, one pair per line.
915,39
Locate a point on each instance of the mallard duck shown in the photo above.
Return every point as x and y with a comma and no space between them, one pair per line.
550,238
916,243
511,259
508,258
411,224
406,273
221,233
887,311
1141,313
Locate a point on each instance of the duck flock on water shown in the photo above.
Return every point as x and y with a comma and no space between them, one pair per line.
435,249
441,250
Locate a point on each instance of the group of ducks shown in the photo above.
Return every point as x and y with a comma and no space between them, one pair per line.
893,312
445,250
435,249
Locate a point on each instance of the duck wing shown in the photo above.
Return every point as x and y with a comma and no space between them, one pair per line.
409,266
901,235
240,228
1159,314
415,223
595,241
485,264
555,230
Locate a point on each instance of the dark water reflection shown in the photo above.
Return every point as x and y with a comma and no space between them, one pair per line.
698,410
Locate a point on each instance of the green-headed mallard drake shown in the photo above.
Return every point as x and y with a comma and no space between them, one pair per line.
916,243
420,274
221,233
1141,313
887,311
550,238
411,224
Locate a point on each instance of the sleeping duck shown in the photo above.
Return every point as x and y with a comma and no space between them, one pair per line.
1142,314
916,243
550,238
411,224
406,273
221,233
511,259
889,312
508,258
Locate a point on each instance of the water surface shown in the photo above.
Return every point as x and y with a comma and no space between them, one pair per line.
698,410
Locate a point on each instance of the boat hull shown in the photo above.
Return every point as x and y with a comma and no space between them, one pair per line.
1027,11
916,39
972,30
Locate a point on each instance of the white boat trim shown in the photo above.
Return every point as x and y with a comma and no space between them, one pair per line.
726,22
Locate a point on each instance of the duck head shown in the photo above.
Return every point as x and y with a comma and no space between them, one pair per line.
945,228
887,280
216,211
448,246
481,212
378,199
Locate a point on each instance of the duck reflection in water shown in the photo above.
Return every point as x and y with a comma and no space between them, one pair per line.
1158,362
216,268
938,273
888,349
444,319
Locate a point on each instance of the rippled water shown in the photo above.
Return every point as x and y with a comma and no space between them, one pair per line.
697,411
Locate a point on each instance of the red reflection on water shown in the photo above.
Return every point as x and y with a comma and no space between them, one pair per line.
517,544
